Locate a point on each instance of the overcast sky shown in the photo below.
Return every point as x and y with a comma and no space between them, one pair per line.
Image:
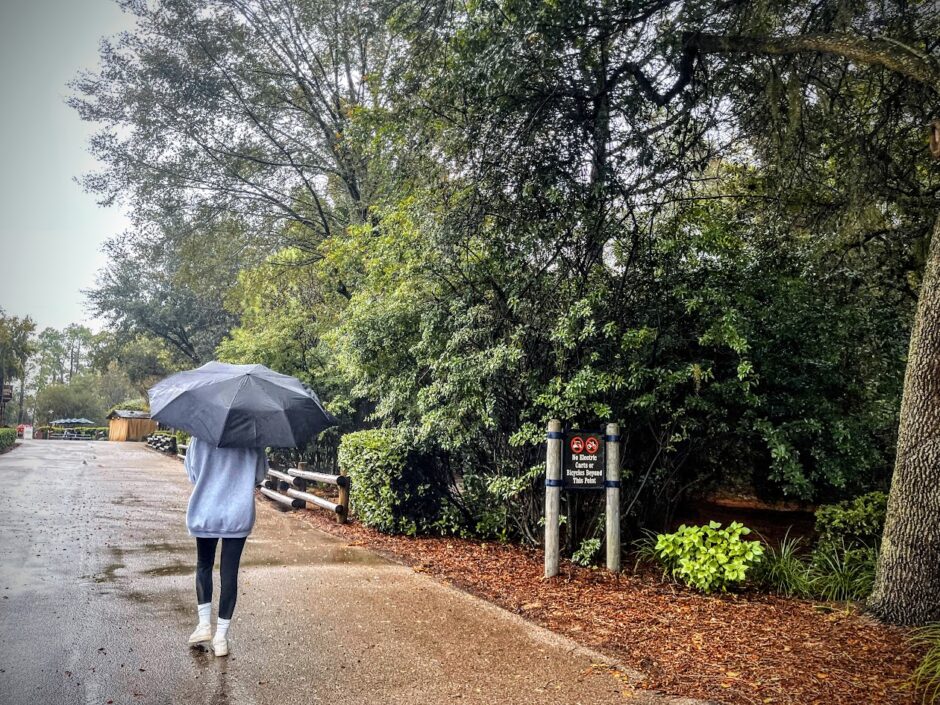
51,232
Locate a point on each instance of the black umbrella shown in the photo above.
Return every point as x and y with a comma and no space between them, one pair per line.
240,406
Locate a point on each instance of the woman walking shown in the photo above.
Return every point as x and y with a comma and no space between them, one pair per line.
222,506
232,412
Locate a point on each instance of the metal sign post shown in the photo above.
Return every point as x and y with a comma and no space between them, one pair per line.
581,460
612,484
552,496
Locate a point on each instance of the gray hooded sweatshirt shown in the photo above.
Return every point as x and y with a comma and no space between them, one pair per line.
222,504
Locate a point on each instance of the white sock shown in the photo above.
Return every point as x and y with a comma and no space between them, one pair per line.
221,628
205,611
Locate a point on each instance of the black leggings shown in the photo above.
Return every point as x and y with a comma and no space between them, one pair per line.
205,557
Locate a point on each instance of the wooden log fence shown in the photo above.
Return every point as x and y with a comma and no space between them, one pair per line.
278,497
162,443
287,488
291,487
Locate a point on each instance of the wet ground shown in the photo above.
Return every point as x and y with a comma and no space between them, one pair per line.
97,600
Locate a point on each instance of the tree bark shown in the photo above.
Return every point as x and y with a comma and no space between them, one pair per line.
907,582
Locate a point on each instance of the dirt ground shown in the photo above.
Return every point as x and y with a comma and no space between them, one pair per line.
736,648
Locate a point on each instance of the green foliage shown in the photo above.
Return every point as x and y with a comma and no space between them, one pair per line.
708,557
838,573
7,438
854,522
393,488
16,345
926,677
80,398
586,552
136,404
451,253
782,569
148,288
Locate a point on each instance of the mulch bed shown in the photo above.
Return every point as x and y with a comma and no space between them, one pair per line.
736,649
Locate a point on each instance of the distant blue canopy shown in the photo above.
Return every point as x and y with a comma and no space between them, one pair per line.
240,406
72,422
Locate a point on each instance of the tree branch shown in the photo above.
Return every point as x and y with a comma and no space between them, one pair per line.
877,51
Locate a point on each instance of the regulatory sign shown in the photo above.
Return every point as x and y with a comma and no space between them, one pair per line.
584,462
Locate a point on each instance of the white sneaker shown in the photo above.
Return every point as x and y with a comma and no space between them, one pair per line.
203,633
220,646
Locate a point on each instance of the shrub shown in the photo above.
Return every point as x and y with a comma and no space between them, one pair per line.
926,677
396,486
7,437
138,404
852,523
783,571
839,573
586,552
709,558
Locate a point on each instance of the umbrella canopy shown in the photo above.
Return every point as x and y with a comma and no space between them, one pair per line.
240,406
72,422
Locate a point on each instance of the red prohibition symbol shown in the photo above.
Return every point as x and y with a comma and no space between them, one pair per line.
591,445
577,444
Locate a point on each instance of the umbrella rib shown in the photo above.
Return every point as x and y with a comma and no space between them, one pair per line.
228,413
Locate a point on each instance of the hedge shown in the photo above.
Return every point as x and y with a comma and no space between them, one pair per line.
7,438
397,486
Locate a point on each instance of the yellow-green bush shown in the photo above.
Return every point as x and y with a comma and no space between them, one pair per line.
708,557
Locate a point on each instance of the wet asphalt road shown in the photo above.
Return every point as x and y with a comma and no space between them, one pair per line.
96,579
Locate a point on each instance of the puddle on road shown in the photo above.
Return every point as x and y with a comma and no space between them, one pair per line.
107,575
335,556
341,555
174,569
128,501
164,547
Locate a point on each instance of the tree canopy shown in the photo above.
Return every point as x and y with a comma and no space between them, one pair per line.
707,221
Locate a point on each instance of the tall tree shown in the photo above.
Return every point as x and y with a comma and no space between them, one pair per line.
16,347
901,42
151,287
239,108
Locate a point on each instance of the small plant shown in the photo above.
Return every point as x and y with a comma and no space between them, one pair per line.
644,549
855,522
709,558
783,571
586,552
838,573
926,677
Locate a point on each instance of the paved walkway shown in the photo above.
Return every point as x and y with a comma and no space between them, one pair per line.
96,578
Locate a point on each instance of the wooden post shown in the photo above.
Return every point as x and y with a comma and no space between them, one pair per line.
343,498
302,465
552,496
612,483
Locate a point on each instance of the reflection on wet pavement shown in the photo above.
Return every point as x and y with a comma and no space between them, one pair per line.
96,580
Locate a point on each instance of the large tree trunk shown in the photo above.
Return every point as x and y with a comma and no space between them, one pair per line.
907,583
